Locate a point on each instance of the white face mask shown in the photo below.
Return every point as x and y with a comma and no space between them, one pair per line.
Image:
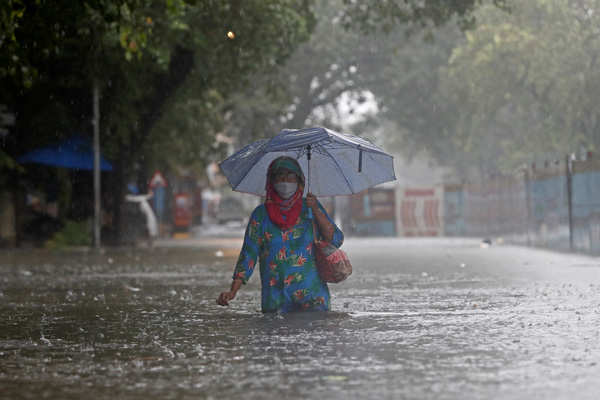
285,190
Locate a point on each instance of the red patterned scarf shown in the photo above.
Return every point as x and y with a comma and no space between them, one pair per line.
283,212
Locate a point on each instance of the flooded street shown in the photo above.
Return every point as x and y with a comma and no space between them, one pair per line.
433,319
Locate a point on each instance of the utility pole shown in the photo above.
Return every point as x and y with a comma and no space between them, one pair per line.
527,203
96,123
569,173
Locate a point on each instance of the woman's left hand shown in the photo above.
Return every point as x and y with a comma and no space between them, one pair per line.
311,201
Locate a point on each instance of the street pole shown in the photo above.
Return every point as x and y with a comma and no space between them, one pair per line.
527,204
96,123
569,173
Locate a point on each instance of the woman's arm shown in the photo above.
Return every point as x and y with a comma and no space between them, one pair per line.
324,224
247,259
326,228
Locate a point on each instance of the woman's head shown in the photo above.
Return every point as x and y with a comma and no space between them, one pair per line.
285,175
285,168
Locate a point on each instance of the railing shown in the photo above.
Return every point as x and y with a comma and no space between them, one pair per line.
555,205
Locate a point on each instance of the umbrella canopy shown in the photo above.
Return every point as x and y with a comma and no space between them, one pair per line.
333,163
74,152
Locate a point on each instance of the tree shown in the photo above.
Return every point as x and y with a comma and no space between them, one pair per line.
175,73
349,53
408,95
514,88
387,15
264,34
149,57
316,76
526,83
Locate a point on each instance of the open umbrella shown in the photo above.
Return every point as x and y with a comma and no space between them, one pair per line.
75,152
333,163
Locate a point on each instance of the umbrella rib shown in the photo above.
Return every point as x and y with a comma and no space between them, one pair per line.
339,168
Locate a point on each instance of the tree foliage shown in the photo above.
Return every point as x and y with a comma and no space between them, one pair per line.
265,34
167,68
141,53
516,87
174,74
348,54
314,77
526,82
163,67
388,15
352,52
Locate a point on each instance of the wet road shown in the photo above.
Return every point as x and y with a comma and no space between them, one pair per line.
418,319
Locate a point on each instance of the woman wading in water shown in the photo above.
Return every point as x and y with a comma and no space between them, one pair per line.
280,233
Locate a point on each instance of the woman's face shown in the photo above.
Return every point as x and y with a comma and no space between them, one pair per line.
284,175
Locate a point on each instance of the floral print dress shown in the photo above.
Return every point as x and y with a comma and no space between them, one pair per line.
289,278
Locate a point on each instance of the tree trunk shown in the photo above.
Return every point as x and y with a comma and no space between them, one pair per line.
18,201
180,67
96,146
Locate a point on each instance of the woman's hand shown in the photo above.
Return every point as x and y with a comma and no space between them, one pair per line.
311,201
225,298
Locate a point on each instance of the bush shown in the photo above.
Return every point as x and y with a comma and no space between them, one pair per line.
72,234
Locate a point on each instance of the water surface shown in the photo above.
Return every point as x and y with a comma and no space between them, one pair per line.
417,319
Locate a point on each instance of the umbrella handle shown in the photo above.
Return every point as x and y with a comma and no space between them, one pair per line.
308,155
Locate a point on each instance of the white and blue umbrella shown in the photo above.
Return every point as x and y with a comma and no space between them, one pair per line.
333,163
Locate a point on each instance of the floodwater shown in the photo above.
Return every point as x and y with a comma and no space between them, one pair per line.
418,319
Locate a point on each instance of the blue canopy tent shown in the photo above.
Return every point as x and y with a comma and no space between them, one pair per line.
75,152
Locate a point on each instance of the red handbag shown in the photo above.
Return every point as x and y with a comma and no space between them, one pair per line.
333,264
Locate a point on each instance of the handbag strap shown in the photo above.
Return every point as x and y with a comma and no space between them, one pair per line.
314,229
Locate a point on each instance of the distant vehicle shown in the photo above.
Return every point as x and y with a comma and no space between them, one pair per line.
231,210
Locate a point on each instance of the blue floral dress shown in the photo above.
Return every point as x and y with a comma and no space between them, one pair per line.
288,273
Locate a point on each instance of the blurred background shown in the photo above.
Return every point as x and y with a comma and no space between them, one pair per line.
488,106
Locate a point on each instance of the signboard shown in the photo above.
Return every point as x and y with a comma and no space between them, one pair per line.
419,212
